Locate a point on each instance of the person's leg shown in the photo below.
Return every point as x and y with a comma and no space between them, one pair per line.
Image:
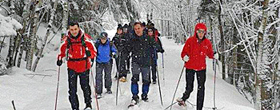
72,83
134,80
201,78
99,78
84,82
189,85
146,79
108,79
123,66
153,68
128,63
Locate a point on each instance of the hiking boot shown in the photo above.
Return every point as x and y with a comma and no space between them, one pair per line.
135,99
154,81
109,91
144,97
181,102
98,96
88,107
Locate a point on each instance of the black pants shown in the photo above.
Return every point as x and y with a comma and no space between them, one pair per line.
201,77
121,64
84,82
154,69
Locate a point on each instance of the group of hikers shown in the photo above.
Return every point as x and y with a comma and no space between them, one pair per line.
134,48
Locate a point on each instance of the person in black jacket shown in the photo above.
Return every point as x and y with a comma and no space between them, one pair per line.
140,45
127,35
121,43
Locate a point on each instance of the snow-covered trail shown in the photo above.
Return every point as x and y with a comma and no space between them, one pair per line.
38,92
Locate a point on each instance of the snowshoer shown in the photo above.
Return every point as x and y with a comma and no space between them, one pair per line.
139,46
154,50
121,43
193,54
105,51
78,50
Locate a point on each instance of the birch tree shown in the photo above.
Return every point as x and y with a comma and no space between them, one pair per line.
50,26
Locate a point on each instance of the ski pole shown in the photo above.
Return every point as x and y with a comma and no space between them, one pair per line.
118,81
177,87
159,89
94,92
13,103
215,73
162,62
57,88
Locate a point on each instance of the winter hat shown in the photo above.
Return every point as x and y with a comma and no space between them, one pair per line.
103,35
119,27
125,26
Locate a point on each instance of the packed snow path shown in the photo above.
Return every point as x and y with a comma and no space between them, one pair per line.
33,92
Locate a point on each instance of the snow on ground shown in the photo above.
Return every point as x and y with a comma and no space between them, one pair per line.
32,91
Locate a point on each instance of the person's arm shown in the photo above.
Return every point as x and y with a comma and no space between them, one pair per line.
63,47
160,49
186,49
210,52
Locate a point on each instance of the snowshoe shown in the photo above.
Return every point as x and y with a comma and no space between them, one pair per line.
181,102
123,79
98,96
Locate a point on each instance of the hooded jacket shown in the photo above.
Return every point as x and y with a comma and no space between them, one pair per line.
77,52
197,50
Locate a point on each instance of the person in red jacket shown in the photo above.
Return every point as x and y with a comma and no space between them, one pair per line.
193,54
79,52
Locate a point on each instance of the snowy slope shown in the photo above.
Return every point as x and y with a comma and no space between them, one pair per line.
32,92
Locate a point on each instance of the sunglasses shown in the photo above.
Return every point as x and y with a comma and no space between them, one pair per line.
200,31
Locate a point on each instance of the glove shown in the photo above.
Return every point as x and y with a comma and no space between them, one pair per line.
92,60
59,62
114,55
186,58
162,51
216,56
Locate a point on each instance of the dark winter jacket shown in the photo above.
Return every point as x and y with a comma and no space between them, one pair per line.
104,51
156,48
197,50
140,48
121,42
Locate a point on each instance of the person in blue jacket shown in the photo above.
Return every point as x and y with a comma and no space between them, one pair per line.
105,52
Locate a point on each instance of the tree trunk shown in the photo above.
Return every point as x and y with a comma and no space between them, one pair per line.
46,37
260,94
10,55
222,42
2,44
21,52
34,21
65,17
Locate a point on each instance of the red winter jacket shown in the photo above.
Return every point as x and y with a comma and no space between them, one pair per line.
77,51
196,51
